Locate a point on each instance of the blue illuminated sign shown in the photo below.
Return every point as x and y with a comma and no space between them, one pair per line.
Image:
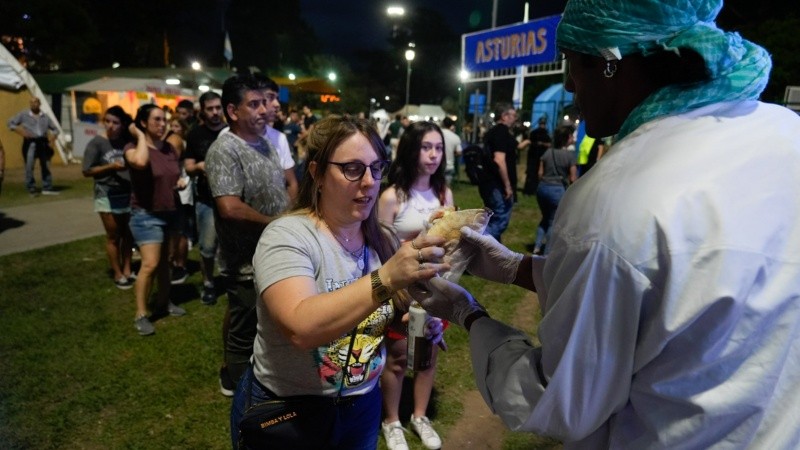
524,44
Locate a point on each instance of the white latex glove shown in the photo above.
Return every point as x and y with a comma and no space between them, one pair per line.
445,300
434,331
492,260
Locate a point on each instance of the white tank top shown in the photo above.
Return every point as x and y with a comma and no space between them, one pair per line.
413,212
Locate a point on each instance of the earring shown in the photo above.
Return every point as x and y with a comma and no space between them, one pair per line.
611,69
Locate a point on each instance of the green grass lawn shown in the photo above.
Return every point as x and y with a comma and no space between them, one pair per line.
74,373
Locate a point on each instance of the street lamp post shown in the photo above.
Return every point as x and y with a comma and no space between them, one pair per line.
196,66
463,76
409,57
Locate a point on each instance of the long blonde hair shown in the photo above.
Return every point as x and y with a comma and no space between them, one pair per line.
323,140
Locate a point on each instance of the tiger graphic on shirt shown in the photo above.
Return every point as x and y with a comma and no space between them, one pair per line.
365,358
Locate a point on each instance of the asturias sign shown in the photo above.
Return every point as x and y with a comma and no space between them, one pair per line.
528,43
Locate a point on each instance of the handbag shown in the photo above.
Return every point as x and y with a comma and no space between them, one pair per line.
302,422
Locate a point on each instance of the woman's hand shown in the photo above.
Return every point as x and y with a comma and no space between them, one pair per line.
135,131
417,260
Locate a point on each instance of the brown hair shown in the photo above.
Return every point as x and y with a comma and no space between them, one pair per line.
323,140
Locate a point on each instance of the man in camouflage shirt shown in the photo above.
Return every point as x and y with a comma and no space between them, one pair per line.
249,189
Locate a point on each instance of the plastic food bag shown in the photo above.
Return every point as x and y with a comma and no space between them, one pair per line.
448,223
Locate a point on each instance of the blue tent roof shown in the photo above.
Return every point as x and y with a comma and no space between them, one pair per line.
550,103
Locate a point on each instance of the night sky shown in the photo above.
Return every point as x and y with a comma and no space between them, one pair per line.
347,26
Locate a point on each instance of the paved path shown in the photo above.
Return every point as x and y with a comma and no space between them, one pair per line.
38,225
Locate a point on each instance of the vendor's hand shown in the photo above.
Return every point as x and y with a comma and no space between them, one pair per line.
491,260
434,331
446,300
417,260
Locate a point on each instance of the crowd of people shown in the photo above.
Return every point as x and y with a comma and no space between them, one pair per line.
669,319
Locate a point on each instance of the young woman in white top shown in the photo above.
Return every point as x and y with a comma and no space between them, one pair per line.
417,187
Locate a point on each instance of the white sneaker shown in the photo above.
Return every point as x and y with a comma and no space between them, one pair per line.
394,435
422,426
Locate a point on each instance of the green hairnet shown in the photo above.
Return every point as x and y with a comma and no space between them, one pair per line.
738,69
633,26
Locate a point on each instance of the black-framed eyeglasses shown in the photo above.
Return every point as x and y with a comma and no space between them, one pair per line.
354,170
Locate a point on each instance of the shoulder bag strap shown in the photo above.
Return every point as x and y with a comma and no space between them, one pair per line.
364,272
555,166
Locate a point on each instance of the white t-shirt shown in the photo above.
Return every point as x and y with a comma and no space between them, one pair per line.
279,141
452,147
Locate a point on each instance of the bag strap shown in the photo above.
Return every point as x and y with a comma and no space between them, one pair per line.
555,166
364,272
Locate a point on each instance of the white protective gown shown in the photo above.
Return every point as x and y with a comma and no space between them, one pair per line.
673,310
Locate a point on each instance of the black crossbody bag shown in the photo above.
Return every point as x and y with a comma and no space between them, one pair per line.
297,422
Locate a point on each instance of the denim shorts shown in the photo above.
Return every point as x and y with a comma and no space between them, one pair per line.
114,204
152,227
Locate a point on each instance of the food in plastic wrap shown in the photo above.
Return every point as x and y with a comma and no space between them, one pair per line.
447,223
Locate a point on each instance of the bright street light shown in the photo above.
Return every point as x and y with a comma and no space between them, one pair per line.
463,75
409,57
292,76
395,11
172,81
196,65
331,76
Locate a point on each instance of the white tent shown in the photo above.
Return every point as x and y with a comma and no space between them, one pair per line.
12,78
422,112
126,92
121,84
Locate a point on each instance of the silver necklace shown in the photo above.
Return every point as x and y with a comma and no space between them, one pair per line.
357,255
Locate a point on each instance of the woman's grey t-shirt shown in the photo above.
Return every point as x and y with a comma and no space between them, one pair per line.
563,159
100,152
294,246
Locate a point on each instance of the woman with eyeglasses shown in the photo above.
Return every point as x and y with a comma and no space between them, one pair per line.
417,187
331,280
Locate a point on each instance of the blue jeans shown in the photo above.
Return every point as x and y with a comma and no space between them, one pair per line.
548,196
356,426
492,196
44,162
207,234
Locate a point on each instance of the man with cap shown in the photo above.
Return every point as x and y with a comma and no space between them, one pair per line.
670,296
